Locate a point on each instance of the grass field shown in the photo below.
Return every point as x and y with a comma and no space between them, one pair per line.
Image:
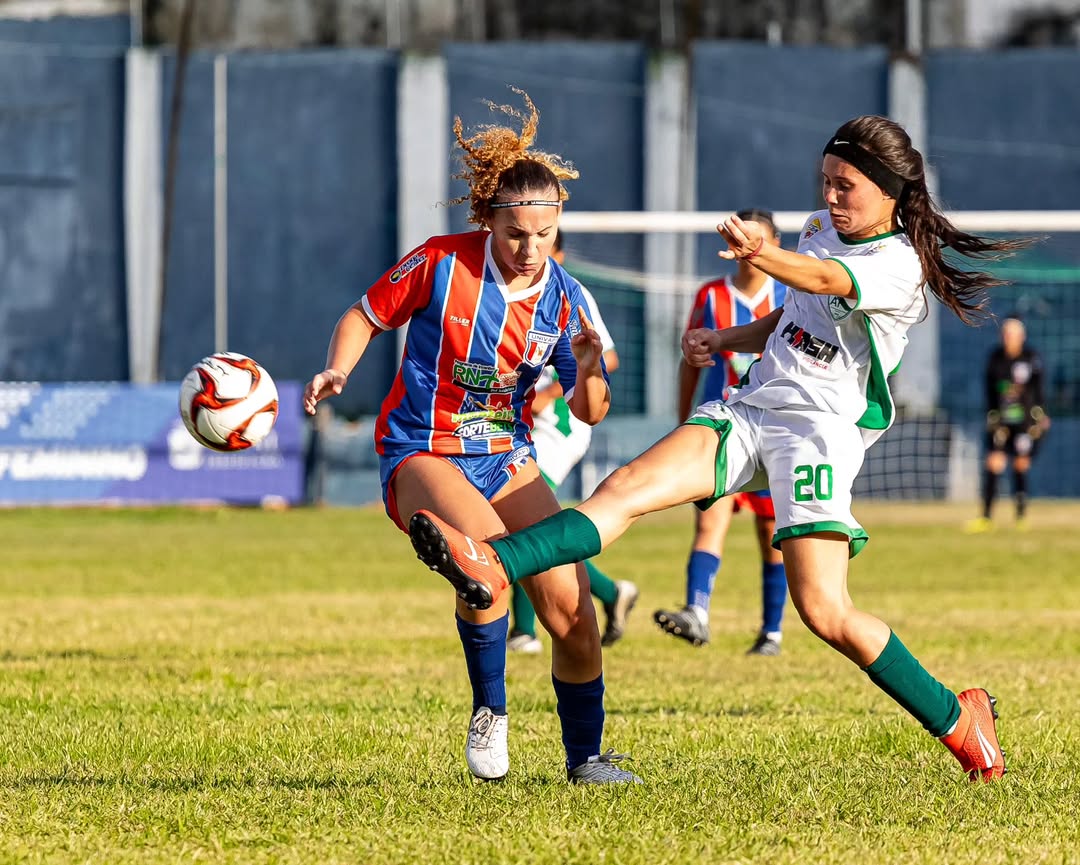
248,686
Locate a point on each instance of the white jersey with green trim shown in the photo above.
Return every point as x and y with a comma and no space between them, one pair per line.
832,354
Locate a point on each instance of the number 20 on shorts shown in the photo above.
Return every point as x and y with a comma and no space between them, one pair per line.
813,483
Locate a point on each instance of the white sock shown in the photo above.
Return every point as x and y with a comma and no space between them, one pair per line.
775,636
701,613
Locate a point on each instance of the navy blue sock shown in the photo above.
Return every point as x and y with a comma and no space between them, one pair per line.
581,711
700,578
485,657
773,596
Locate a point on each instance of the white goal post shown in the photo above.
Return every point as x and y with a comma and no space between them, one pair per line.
660,221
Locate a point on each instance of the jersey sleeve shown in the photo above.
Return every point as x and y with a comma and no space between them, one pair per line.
402,290
562,357
884,281
696,318
593,309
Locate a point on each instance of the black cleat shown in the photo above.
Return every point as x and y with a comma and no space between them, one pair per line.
683,624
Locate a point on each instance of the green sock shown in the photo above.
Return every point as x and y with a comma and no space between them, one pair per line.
568,536
601,585
524,614
903,678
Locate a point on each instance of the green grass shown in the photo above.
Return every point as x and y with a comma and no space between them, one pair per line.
247,686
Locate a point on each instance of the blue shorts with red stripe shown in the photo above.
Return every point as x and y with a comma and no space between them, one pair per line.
488,473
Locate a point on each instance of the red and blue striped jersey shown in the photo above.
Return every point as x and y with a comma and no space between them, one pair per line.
473,351
719,304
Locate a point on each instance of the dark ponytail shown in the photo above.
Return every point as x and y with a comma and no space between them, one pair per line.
962,290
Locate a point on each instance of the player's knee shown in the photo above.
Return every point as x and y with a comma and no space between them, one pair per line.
825,618
619,481
577,637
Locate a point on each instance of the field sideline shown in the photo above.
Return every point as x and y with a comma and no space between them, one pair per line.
287,687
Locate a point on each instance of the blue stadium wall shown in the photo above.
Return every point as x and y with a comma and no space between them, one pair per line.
313,186
62,294
312,209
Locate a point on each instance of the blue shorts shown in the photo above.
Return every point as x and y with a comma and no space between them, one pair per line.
488,473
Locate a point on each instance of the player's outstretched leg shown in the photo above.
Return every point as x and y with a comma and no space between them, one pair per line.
471,567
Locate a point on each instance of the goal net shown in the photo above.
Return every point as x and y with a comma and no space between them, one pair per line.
645,267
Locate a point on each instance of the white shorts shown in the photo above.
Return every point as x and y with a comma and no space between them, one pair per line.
808,460
556,452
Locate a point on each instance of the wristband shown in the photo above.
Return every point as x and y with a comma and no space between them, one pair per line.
757,251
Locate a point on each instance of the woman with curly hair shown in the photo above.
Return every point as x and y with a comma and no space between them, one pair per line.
487,310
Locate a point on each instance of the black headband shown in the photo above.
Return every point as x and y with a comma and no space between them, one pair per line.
889,181
497,205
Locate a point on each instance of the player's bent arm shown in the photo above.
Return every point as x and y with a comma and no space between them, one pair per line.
350,340
805,273
590,398
351,336
753,336
688,380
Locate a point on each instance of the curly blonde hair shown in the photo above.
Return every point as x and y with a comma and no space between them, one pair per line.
497,159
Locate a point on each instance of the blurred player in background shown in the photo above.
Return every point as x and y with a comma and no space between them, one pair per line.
733,300
487,311
818,398
561,441
1015,418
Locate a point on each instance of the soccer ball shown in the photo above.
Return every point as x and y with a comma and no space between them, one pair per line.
228,402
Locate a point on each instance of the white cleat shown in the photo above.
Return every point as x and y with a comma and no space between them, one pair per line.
526,644
485,748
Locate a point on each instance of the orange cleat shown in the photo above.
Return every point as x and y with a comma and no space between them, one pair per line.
472,567
974,742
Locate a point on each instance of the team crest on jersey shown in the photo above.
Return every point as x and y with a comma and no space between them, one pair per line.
410,263
838,308
813,228
538,346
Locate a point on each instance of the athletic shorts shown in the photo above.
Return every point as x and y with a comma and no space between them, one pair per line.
1013,440
558,453
808,460
489,473
759,503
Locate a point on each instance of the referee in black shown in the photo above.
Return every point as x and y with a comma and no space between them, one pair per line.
1015,418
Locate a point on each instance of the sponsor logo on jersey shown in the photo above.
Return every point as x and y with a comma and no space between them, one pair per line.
483,429
410,263
457,319
483,419
839,309
538,346
813,347
813,228
483,378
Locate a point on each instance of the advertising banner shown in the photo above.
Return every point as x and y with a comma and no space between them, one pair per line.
119,443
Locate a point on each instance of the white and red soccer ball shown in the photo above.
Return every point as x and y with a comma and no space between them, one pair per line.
228,402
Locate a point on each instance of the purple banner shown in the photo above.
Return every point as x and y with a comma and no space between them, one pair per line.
112,442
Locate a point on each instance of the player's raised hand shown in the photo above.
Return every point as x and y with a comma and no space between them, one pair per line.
744,239
699,345
586,344
327,383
